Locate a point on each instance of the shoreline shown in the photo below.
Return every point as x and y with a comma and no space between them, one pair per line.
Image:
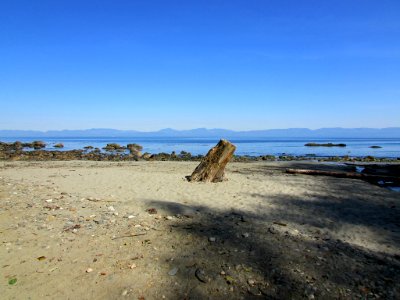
114,152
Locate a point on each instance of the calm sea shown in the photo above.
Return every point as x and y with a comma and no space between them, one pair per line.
253,147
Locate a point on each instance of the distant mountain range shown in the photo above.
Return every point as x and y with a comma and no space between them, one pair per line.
390,132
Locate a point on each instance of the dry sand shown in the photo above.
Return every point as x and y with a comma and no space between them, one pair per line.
80,230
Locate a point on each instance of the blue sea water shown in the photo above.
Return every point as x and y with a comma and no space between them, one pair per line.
253,147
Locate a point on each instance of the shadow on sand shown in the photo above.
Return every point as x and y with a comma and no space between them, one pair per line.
289,252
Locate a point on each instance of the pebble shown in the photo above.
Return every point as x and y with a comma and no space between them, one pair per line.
246,235
133,266
49,200
89,270
212,239
254,291
169,217
152,211
131,217
251,282
173,271
201,275
111,208
124,292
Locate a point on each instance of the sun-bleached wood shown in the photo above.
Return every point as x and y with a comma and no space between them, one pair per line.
212,167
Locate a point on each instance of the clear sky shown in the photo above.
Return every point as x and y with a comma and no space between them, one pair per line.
247,64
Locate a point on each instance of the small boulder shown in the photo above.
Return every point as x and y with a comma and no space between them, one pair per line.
38,145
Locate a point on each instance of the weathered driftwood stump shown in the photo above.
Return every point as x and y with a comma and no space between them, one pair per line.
212,167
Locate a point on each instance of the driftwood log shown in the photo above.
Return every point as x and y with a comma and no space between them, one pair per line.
366,177
212,167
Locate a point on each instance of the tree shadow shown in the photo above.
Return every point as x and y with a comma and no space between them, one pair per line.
242,255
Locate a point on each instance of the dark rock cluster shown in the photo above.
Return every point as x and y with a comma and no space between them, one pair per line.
133,152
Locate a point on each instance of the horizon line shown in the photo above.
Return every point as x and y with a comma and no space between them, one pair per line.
203,128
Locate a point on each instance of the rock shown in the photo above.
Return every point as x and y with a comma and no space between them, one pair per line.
38,145
152,211
124,293
201,275
59,145
246,235
146,156
324,145
251,282
89,270
253,290
135,150
111,208
212,239
173,271
169,218
113,147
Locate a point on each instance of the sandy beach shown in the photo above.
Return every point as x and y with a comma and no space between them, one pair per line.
139,230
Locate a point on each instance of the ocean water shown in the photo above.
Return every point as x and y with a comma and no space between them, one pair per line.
253,147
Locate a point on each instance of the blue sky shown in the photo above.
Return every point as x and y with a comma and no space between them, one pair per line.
147,65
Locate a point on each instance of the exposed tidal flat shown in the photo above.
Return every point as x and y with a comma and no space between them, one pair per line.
384,149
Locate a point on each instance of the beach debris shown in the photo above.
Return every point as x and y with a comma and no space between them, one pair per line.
212,167
89,270
201,275
280,223
12,281
74,227
367,177
173,271
152,211
229,279
128,235
40,258
52,207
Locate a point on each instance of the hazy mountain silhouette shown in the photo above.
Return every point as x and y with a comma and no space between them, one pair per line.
391,132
